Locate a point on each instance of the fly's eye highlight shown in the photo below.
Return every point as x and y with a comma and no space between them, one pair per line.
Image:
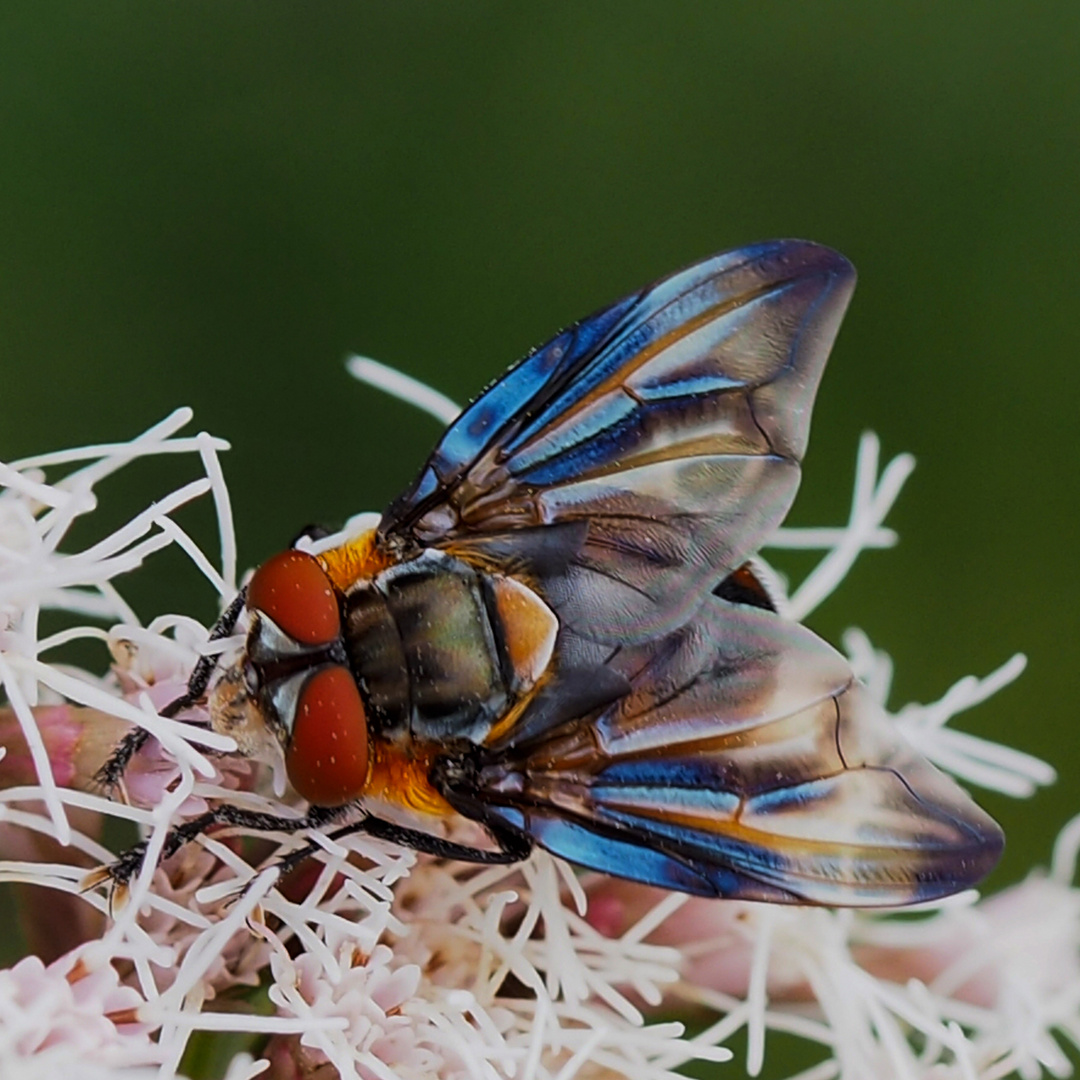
293,590
327,755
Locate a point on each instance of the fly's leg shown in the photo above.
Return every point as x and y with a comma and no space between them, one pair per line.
112,772
129,862
513,846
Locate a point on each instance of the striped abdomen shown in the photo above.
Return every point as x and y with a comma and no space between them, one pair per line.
441,650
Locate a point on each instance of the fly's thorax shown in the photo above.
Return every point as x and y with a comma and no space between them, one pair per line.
442,649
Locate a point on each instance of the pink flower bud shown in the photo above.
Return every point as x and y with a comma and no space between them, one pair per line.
78,741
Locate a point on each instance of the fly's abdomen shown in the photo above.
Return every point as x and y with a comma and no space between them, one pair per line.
441,649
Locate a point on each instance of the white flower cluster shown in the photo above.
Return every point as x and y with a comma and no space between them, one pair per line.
381,964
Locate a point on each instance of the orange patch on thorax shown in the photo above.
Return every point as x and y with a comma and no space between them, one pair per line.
401,777
358,560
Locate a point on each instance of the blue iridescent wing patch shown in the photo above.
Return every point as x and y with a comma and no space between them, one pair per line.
664,434
742,761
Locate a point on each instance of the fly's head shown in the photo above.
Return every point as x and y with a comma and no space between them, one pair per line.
291,685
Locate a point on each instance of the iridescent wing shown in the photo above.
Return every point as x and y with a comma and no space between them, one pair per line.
647,451
744,761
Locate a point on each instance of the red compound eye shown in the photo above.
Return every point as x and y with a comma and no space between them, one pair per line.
327,756
294,591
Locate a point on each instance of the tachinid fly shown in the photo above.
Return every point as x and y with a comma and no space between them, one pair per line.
556,631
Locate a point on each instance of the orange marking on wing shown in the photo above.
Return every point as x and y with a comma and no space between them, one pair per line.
401,777
727,823
618,378
358,560
479,559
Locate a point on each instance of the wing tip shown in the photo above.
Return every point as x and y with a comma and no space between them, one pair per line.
804,258
982,853
815,284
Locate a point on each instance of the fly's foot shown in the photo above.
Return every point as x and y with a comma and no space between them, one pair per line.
117,875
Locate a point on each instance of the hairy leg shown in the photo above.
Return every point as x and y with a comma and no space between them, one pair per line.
112,772
513,846
129,862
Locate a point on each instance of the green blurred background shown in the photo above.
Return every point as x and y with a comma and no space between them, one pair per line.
211,204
